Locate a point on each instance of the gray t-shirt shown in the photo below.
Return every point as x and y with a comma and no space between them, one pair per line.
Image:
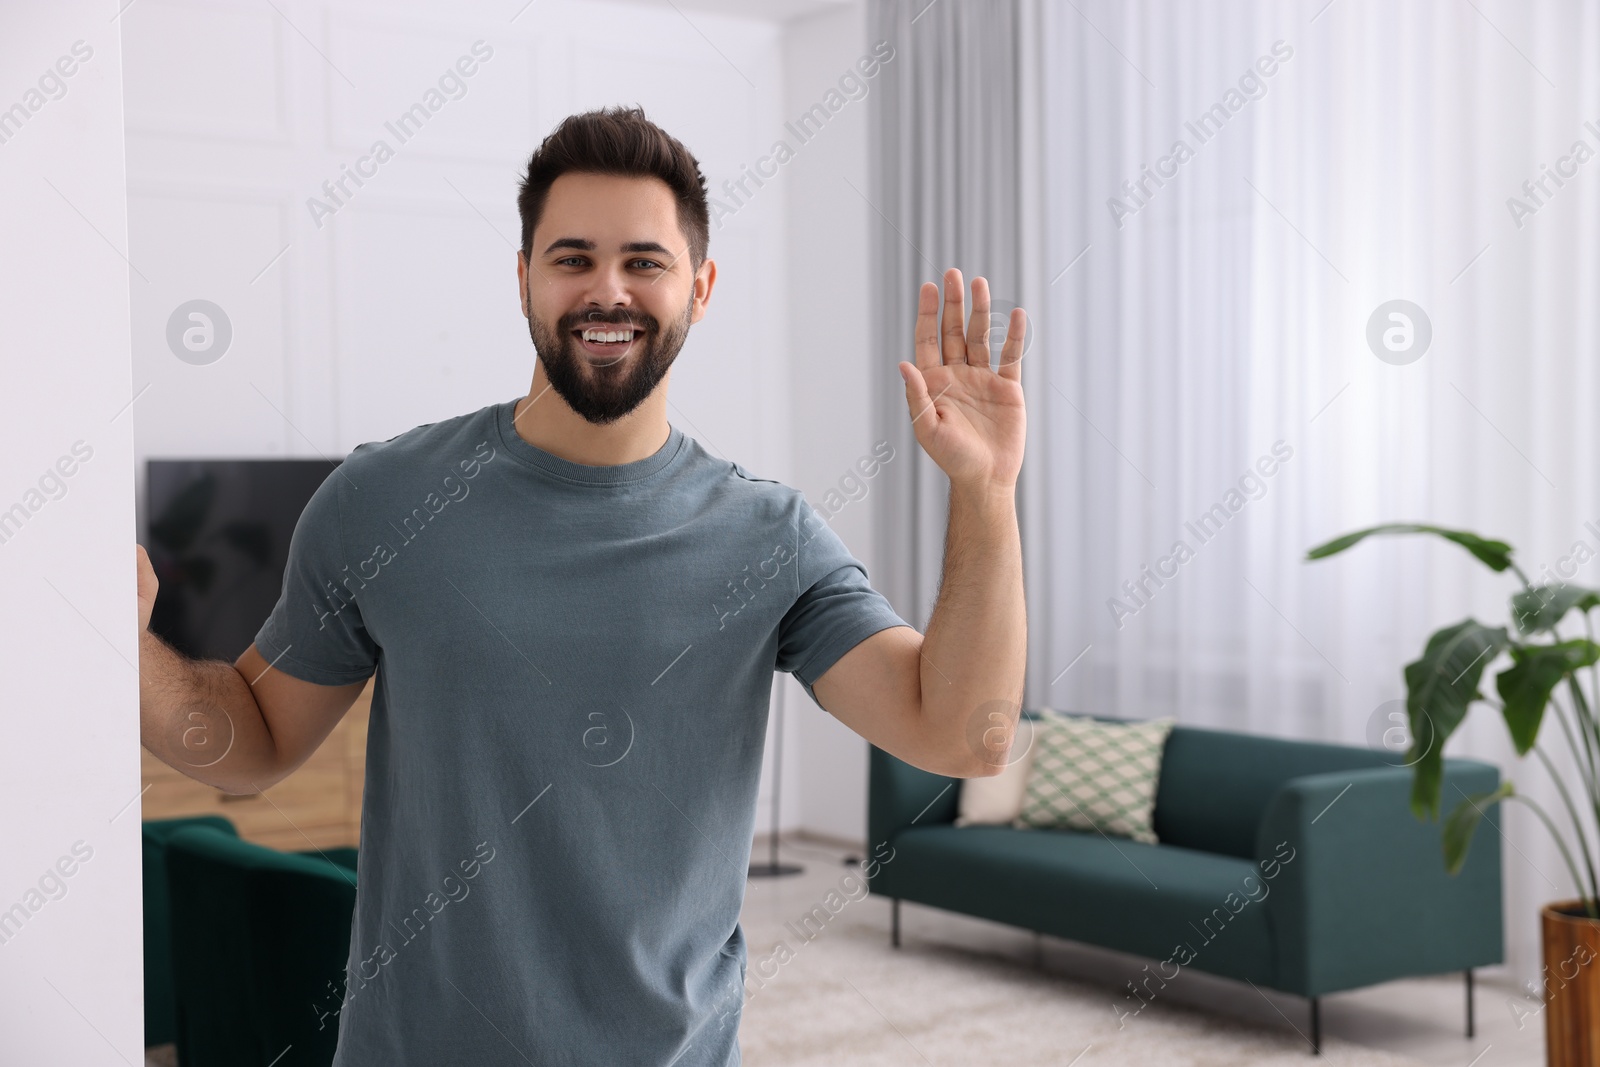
574,666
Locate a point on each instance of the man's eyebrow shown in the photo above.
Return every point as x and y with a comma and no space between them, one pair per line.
586,245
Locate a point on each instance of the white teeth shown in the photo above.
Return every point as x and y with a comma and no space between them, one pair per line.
608,335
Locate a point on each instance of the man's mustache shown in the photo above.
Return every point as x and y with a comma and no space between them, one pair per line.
595,319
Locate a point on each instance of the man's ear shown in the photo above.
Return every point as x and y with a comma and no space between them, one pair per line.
522,283
704,279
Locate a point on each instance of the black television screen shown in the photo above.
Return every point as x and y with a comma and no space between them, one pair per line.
217,531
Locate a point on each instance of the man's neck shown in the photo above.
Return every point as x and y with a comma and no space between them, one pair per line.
543,419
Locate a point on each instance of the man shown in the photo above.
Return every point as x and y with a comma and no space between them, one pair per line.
574,612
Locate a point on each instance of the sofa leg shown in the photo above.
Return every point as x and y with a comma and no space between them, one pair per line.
894,922
1316,1027
1470,1028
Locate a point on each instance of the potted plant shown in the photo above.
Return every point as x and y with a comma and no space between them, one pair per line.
1443,684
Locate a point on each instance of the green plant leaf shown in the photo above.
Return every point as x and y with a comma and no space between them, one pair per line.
1496,555
1439,688
1463,823
1541,607
1525,686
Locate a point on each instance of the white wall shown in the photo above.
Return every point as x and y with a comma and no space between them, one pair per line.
831,364
70,935
400,308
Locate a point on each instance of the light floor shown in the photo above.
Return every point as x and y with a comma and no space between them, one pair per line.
1423,1019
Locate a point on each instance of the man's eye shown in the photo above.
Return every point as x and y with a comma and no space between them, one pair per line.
580,259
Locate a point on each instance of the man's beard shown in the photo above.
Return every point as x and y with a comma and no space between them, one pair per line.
603,393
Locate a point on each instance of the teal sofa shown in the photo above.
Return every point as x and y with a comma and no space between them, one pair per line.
1335,884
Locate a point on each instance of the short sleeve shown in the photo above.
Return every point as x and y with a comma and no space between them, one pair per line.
316,631
836,609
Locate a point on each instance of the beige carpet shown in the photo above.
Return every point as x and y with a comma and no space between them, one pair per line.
846,999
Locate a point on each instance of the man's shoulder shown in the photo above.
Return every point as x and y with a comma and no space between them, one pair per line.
754,495
741,476
467,438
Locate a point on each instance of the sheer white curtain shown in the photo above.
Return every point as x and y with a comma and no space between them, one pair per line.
1214,317
947,137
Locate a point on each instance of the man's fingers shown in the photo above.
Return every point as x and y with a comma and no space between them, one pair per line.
978,325
926,334
146,586
1011,351
951,328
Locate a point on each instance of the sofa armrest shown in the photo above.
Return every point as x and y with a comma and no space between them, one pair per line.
1360,893
899,795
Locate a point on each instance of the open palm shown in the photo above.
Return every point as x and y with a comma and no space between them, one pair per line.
969,419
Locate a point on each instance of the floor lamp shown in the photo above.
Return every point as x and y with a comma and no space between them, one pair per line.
772,868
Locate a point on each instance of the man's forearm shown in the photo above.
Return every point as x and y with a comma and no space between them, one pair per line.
975,650
200,717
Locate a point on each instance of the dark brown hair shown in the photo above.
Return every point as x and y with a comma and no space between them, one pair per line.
618,140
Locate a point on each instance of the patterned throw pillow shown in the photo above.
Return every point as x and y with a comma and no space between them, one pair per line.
1090,775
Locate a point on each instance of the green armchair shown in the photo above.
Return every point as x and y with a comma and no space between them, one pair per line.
160,1024
259,944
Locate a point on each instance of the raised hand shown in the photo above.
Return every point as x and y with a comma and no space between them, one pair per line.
969,419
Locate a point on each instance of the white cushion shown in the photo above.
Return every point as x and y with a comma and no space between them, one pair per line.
996,800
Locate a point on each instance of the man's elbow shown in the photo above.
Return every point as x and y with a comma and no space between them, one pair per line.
986,746
963,765
970,757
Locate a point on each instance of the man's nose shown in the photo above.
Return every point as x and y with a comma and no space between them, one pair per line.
608,288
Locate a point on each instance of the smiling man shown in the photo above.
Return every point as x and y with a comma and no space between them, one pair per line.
561,685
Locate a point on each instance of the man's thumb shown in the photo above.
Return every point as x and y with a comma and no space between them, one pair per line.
916,392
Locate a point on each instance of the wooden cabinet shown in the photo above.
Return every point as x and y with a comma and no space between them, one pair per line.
318,806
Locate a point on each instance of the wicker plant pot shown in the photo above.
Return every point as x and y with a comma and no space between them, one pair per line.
1571,985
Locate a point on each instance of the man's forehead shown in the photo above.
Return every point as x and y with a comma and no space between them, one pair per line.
610,209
